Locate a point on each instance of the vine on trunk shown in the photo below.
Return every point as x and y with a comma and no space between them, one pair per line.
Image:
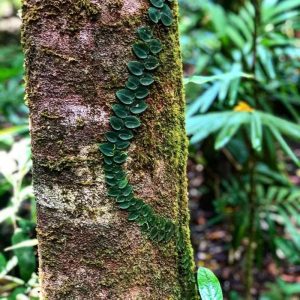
124,123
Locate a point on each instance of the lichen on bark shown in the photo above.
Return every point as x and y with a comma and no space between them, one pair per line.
76,55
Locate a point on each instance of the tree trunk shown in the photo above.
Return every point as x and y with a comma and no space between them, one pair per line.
76,60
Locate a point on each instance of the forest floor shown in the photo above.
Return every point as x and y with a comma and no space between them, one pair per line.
212,244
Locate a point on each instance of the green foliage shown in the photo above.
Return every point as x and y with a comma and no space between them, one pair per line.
17,255
156,227
208,285
12,108
161,12
243,114
281,290
277,207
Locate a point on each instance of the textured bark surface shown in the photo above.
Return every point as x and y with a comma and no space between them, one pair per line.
76,55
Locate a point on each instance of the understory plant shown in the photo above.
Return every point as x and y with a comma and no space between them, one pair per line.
243,114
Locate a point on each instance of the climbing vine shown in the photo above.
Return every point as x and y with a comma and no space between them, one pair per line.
124,123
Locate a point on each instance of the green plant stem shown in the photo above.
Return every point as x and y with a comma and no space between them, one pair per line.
250,252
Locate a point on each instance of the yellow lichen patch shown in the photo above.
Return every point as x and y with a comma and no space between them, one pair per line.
243,107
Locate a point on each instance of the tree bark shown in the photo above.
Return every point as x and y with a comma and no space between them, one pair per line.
76,52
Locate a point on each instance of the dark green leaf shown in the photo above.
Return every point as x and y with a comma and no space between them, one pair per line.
151,63
120,110
133,216
166,15
125,134
120,158
146,211
111,136
133,82
107,149
108,160
109,175
145,34
121,145
123,183
116,123
132,122
157,3
2,262
154,14
111,181
114,192
125,205
137,205
26,257
141,93
125,96
141,220
125,198
147,79
127,191
161,236
120,175
153,233
136,68
139,107
140,50
155,46
286,148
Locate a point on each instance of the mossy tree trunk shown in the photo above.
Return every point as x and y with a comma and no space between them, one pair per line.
76,55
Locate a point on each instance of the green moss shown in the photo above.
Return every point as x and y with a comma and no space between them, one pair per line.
46,114
88,6
168,141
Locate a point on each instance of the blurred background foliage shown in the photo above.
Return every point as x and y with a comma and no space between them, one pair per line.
242,75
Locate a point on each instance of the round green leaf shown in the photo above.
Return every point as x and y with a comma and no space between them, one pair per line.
114,192
141,92
166,15
157,3
132,122
124,199
111,181
107,149
120,176
124,205
136,68
125,96
120,157
127,191
154,14
144,34
116,123
108,161
153,233
133,216
125,134
133,83
151,63
139,108
111,136
120,110
147,79
155,46
123,183
121,145
140,50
